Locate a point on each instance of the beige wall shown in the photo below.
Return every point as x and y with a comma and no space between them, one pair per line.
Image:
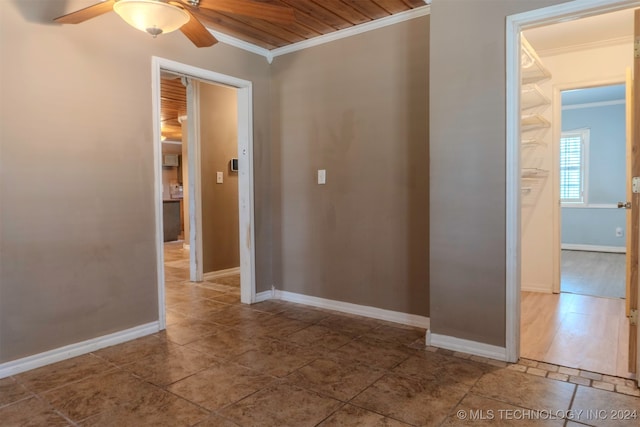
467,183
77,233
357,107
219,144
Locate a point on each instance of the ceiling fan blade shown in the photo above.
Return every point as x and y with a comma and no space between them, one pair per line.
253,9
194,30
87,13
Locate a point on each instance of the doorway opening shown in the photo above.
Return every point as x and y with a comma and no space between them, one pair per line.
229,165
547,179
593,176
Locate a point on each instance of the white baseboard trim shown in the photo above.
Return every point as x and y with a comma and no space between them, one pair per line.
215,274
67,352
360,310
594,248
467,346
537,287
263,296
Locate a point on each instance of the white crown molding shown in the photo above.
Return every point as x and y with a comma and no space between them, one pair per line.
594,104
241,44
67,352
336,35
586,46
352,31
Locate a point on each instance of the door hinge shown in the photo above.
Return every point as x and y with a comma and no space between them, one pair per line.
636,47
635,184
633,316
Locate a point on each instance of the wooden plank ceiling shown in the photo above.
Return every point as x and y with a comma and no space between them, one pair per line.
173,104
313,18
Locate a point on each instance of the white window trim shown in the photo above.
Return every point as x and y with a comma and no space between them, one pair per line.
585,134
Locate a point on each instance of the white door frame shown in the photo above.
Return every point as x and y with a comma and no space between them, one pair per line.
245,174
515,25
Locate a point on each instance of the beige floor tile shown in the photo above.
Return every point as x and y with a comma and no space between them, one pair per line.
270,306
31,412
216,421
168,367
100,393
61,373
334,378
281,405
11,391
187,330
276,358
527,391
604,408
352,416
397,334
481,411
218,287
348,325
372,352
173,316
279,326
200,308
220,385
230,280
173,411
444,368
304,314
131,351
318,336
227,298
411,400
225,344
234,315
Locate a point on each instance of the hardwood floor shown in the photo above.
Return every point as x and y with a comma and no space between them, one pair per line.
593,273
577,331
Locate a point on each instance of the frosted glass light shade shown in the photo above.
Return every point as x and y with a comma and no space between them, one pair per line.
151,16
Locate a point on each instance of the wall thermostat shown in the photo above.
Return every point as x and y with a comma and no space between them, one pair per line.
234,165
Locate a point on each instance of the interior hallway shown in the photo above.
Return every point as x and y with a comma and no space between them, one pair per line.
220,363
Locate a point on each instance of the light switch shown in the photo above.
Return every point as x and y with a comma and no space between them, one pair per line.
322,176
219,177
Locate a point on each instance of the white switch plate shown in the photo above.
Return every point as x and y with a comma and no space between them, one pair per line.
322,176
219,177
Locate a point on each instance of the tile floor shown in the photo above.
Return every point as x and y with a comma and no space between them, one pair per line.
220,363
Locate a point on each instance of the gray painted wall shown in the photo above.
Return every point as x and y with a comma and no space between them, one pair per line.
467,182
606,176
357,107
219,144
77,233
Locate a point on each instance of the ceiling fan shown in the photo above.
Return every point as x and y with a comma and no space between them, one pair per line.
163,16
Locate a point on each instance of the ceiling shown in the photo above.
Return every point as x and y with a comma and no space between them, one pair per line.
173,105
599,30
314,18
593,94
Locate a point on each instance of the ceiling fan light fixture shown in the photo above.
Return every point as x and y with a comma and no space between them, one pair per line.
151,16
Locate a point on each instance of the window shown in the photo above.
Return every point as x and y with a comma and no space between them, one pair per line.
573,165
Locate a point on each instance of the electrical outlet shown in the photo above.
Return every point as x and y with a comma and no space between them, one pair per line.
619,232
